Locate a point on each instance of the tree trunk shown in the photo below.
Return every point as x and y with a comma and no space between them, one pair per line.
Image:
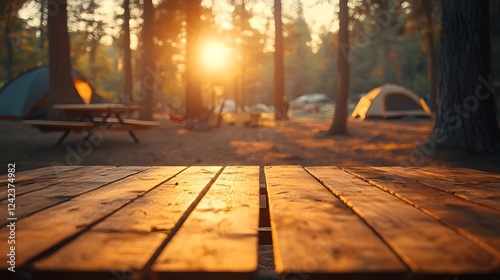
339,125
8,42
244,59
243,94
127,54
467,117
10,51
237,91
280,109
92,59
41,27
194,105
149,75
62,89
388,77
386,44
432,71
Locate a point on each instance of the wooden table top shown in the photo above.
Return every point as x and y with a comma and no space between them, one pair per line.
202,222
99,107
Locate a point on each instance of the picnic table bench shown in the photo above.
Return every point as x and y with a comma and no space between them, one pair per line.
202,222
92,117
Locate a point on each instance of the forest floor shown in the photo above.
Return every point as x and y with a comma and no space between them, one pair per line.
302,141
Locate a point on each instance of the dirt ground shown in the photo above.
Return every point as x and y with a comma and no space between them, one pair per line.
298,142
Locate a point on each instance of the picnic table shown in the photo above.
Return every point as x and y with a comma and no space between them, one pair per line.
91,117
202,222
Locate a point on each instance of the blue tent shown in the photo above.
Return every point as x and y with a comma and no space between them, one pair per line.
27,95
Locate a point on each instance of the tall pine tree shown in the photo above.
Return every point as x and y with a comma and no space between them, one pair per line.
467,113
62,89
339,125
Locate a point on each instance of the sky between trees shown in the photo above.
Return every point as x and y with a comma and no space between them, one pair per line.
320,15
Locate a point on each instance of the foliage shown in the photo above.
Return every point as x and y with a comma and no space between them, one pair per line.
301,63
382,49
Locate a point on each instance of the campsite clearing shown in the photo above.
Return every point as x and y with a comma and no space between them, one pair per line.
369,143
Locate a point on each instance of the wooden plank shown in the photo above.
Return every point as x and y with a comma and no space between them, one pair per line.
139,124
58,175
426,245
219,239
478,193
315,234
456,174
126,240
162,208
47,126
42,231
479,224
122,127
22,176
52,195
458,171
100,107
101,256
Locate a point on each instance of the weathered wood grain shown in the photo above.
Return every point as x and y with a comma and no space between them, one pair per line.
315,234
35,201
457,174
202,223
22,176
479,224
49,176
481,194
101,255
219,239
126,240
161,209
425,244
40,232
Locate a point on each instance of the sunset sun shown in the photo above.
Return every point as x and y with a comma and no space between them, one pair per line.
214,55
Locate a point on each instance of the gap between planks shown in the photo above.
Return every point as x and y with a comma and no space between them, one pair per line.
471,224
49,196
46,177
420,240
143,225
39,238
472,191
313,231
222,231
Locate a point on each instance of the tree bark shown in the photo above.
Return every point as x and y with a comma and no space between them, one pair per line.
388,77
149,75
432,71
127,54
194,105
41,27
280,112
62,89
244,57
339,125
467,113
92,60
7,41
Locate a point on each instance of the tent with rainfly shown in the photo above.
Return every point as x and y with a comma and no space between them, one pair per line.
389,101
26,96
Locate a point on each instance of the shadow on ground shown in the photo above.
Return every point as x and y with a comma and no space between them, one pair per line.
300,142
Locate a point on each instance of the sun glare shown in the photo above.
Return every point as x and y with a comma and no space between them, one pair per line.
214,55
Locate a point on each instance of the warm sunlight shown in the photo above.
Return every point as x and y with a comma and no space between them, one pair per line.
215,55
